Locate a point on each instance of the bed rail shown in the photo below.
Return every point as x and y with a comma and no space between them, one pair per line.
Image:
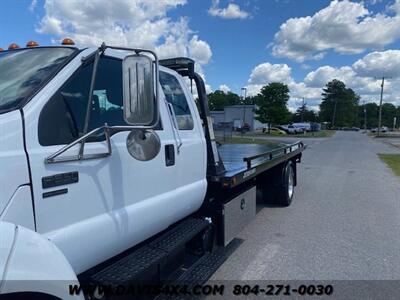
274,153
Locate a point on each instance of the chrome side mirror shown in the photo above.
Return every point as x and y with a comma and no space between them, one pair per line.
140,91
143,144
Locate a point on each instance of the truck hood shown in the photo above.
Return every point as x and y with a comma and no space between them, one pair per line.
13,161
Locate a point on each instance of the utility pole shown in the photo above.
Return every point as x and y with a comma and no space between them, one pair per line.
365,116
334,114
302,110
380,107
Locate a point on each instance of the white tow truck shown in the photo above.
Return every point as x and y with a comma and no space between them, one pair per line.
109,173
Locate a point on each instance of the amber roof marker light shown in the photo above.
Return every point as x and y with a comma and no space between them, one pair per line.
13,46
31,44
67,42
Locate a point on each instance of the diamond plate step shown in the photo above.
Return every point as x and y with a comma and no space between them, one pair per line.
149,257
199,272
205,267
129,267
179,235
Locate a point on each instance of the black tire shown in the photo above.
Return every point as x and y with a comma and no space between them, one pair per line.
277,186
284,190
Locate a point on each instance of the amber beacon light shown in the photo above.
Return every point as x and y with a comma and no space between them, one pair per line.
13,46
31,44
67,41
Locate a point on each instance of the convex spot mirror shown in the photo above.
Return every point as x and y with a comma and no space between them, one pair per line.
143,144
140,81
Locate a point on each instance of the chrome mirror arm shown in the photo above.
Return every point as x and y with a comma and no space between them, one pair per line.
90,97
54,158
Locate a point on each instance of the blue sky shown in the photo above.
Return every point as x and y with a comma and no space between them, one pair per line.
241,43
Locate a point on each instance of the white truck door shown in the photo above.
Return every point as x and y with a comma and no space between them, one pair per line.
95,209
191,155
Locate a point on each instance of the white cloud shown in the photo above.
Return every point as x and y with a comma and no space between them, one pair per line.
344,26
224,88
232,11
324,74
378,64
301,90
319,77
199,50
137,23
358,76
33,5
50,25
266,72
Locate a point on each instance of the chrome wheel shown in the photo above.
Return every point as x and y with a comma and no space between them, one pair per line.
290,183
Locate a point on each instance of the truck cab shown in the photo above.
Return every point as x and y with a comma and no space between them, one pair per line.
101,149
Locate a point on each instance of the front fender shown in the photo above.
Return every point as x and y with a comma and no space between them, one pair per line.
33,264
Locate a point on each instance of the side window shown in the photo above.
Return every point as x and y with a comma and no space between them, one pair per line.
175,95
62,119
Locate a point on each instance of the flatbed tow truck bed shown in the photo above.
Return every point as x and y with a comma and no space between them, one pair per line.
244,161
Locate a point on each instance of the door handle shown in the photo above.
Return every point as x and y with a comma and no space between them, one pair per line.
169,155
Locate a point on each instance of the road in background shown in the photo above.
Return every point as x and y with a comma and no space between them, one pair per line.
344,222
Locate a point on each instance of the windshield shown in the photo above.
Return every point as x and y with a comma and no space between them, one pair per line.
22,72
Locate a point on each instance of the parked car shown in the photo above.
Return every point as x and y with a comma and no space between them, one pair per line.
275,131
245,128
298,129
290,129
305,126
383,129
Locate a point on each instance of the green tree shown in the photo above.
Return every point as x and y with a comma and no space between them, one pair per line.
272,104
370,112
339,105
304,114
389,112
217,100
250,100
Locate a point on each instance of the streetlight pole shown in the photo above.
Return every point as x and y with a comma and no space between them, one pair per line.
244,107
380,107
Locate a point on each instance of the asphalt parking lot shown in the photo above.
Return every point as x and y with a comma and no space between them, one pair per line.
344,222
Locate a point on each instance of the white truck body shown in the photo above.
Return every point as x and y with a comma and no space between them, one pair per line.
113,196
58,220
117,199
